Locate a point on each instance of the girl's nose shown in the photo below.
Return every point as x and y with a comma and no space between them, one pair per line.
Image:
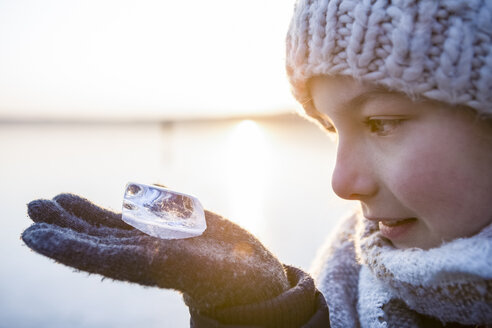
353,177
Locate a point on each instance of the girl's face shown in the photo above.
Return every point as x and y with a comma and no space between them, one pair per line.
422,170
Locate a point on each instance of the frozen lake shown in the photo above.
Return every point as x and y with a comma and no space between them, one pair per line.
272,176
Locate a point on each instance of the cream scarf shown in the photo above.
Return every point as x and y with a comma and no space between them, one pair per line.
407,288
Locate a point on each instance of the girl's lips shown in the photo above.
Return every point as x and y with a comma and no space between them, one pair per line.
393,229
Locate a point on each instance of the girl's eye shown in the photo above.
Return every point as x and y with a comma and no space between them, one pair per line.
382,127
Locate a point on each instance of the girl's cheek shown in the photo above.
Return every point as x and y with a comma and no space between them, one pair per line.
432,185
422,180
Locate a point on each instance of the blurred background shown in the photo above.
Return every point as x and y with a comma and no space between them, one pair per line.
190,94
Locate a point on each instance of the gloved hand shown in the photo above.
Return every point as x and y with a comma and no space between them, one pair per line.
225,266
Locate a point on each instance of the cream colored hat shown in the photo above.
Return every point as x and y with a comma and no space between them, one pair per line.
441,50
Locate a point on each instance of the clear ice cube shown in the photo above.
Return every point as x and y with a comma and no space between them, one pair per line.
162,213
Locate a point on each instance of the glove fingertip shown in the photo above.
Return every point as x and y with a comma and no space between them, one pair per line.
26,236
52,241
42,210
90,212
67,200
34,206
37,236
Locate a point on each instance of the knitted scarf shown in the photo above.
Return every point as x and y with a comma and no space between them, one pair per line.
369,283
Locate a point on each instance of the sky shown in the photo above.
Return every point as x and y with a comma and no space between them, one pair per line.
143,60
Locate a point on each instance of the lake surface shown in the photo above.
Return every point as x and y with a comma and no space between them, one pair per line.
272,176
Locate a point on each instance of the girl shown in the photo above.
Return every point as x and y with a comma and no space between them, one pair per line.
405,88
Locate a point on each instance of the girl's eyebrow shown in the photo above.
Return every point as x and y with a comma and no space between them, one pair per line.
356,103
360,100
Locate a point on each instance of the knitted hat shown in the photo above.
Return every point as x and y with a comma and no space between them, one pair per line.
441,50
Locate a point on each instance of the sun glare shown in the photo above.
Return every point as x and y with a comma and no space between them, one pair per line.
248,165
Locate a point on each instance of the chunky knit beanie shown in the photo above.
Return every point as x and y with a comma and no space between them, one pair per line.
440,50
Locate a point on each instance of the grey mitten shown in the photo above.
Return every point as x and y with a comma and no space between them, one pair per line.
226,266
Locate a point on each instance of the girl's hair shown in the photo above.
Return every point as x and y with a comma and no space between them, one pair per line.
440,50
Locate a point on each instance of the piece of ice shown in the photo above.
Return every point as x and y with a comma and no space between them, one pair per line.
162,213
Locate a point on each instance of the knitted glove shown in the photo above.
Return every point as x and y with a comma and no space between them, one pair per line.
225,266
